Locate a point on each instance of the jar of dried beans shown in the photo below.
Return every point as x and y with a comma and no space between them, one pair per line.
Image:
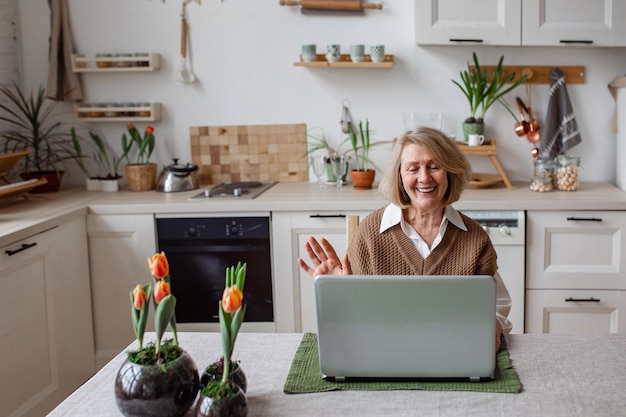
567,172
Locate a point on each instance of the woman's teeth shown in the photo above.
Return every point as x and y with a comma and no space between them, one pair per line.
426,190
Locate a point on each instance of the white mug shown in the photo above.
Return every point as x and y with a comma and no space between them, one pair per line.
475,139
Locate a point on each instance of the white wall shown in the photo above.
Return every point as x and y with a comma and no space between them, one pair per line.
242,53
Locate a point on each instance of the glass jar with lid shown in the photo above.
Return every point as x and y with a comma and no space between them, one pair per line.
546,168
567,172
541,184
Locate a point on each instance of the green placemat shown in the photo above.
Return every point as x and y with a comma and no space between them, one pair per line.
305,376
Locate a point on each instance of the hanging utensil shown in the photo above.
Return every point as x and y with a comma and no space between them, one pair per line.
521,127
184,74
346,117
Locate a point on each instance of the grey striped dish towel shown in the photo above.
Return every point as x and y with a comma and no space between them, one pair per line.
560,132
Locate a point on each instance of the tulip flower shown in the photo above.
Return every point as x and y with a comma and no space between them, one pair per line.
139,297
161,290
231,299
159,267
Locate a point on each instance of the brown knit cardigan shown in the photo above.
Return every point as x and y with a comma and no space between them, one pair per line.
393,253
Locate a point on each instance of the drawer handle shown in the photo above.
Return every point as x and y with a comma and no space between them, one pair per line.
582,300
466,40
22,248
570,41
584,219
326,216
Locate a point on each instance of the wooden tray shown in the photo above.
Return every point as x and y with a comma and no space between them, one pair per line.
19,189
7,161
483,180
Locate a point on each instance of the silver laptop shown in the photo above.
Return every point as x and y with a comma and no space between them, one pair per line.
406,327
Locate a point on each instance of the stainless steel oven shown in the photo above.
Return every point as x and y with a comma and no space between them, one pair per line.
199,250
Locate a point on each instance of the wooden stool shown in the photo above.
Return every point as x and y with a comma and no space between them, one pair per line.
490,150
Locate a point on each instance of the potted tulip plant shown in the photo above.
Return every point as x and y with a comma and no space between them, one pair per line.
158,378
363,174
108,177
224,395
140,172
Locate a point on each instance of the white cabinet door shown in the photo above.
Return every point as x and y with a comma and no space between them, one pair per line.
119,248
476,22
574,22
46,334
295,299
576,250
576,311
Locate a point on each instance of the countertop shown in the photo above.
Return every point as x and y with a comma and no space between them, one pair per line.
561,375
22,218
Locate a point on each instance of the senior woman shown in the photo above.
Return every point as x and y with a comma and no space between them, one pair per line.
419,232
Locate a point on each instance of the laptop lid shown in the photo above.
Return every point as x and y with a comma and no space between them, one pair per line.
393,326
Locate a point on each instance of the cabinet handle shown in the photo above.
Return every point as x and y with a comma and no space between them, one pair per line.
584,219
326,216
582,300
569,41
22,248
466,40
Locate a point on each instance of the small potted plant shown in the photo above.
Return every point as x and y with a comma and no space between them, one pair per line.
364,171
140,172
321,142
158,378
109,181
34,125
224,395
481,93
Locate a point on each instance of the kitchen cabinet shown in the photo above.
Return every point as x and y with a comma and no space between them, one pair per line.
575,274
477,22
289,232
119,247
117,112
520,22
46,333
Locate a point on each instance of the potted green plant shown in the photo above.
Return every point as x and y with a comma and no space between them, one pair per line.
158,378
321,142
136,151
34,125
224,394
107,178
481,93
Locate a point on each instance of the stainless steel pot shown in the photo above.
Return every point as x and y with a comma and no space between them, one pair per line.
178,177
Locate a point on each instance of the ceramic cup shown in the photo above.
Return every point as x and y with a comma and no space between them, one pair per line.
377,53
357,53
475,139
309,52
332,52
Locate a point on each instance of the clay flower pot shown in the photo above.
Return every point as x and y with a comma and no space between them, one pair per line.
362,180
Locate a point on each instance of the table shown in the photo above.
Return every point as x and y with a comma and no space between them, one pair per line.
562,375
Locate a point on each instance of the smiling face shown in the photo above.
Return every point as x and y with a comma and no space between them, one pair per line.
424,181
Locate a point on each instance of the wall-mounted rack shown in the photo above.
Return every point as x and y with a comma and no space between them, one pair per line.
539,74
345,61
130,62
355,7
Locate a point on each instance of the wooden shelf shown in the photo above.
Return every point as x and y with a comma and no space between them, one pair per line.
149,62
490,150
345,62
104,113
20,189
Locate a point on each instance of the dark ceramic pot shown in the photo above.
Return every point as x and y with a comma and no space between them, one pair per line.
214,372
53,178
157,390
235,406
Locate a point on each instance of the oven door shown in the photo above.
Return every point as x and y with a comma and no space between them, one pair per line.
198,271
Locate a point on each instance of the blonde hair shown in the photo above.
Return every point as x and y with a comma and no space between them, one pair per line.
445,154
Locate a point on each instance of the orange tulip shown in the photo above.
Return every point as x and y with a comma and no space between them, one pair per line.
159,266
161,290
139,297
149,130
231,299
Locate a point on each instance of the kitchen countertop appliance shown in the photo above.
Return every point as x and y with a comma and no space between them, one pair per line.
507,231
178,177
234,190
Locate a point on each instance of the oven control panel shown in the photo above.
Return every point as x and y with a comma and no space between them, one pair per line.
213,228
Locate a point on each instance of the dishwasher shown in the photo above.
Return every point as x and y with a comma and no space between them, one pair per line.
507,231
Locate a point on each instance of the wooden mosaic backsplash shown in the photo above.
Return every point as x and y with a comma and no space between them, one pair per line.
249,153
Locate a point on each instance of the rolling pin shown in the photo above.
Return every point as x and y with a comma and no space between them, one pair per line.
331,4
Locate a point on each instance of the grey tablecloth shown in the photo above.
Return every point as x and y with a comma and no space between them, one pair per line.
560,375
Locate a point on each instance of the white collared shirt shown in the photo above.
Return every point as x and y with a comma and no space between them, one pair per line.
393,215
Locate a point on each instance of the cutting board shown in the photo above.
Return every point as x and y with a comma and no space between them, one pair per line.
249,153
